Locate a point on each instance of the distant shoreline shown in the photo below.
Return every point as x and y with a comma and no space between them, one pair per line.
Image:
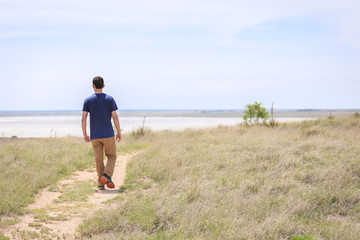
281,113
64,123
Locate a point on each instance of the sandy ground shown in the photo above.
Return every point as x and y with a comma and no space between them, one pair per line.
30,226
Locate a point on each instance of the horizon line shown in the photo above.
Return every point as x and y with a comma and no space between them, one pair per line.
189,110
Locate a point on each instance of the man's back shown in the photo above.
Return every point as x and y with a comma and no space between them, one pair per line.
100,106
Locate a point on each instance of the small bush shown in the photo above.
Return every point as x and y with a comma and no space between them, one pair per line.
254,113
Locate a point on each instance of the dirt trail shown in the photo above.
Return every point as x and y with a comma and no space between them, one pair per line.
50,217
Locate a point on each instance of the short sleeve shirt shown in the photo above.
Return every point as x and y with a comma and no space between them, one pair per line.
100,106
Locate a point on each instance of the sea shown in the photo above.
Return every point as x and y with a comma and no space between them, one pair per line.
42,124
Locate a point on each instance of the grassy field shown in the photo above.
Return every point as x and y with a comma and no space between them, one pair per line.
295,181
27,165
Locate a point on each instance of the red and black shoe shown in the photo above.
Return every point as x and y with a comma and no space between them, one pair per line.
107,180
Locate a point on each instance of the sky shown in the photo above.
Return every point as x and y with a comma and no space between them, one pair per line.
188,54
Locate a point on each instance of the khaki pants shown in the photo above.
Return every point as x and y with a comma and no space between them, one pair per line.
110,151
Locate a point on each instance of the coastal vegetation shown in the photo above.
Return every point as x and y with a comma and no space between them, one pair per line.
294,181
291,181
141,130
254,113
27,165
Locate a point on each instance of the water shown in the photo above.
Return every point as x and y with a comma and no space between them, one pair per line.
65,124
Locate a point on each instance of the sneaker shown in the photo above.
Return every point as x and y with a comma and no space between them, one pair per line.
107,180
101,187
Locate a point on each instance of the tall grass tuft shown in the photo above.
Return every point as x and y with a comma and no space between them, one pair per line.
272,121
331,117
141,131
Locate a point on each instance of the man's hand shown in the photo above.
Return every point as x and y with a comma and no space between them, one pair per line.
87,138
118,137
83,126
117,125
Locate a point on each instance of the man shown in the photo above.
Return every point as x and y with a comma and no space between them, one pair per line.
101,108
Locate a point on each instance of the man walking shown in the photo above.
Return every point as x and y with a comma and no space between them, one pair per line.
101,108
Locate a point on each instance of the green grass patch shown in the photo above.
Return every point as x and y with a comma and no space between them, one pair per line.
34,164
29,235
2,237
42,216
7,222
304,237
60,217
77,193
130,144
35,225
130,147
295,181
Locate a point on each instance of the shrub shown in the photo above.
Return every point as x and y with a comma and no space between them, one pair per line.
254,113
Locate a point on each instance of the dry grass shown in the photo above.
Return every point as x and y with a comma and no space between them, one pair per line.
296,181
29,165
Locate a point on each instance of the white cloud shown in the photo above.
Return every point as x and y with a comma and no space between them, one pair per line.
221,18
224,16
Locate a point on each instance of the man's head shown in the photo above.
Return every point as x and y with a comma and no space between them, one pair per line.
98,82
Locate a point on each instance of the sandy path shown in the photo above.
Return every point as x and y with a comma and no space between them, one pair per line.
48,219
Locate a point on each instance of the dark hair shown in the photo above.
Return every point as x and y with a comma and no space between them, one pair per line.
98,82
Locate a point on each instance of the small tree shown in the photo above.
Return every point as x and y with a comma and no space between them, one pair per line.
254,112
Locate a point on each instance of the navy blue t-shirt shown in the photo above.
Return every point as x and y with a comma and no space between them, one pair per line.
100,106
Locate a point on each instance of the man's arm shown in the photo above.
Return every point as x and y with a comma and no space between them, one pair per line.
117,125
83,126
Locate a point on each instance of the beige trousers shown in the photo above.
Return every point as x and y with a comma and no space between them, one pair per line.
99,145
